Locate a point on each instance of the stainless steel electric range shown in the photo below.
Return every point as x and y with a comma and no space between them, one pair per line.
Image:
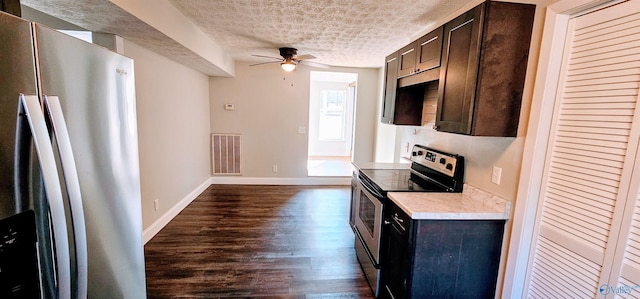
431,170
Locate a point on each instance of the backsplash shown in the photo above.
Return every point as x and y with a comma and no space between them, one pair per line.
481,154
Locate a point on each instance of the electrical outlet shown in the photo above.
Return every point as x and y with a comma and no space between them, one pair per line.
274,168
156,204
496,175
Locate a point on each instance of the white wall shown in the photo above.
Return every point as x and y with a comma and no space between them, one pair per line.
173,130
270,105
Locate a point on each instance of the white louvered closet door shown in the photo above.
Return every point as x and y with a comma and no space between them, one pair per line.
590,158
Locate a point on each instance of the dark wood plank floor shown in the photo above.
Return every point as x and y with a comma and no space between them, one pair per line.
258,241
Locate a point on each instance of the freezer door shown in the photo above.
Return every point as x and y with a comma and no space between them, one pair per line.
17,76
97,96
22,184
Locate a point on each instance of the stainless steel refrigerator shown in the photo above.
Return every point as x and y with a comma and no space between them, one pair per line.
69,156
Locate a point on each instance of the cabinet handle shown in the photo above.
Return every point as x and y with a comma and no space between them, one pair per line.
396,218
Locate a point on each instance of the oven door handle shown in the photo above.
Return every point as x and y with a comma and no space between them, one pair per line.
367,186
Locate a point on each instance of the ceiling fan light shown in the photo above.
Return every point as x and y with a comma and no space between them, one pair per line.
288,65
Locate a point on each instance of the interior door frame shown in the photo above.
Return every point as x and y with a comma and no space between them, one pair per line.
538,133
350,87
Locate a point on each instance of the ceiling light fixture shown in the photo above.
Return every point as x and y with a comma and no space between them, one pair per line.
288,65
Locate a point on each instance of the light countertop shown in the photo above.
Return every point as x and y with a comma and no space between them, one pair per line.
471,204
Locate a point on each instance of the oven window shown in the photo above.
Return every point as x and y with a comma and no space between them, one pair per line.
367,212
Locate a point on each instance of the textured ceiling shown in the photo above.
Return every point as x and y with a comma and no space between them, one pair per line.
105,17
358,33
355,33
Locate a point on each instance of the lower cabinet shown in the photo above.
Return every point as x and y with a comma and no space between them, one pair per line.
440,258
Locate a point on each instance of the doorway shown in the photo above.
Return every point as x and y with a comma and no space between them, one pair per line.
331,115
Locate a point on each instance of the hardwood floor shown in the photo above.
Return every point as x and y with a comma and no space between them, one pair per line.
258,241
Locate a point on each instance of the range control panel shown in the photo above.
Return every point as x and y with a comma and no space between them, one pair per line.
438,161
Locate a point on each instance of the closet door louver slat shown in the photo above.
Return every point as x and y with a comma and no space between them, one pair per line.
586,163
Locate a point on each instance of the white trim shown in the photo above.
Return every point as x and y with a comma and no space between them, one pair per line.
155,228
341,181
524,216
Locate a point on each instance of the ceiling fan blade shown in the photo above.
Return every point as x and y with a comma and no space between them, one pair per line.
304,57
265,63
315,64
278,58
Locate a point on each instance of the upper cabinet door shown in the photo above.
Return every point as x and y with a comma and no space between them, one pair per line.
483,69
459,70
390,85
421,55
429,50
407,59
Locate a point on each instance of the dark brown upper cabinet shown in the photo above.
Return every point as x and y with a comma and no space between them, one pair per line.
418,65
483,69
421,55
390,85
411,105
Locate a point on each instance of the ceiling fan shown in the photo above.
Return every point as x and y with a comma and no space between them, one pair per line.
290,59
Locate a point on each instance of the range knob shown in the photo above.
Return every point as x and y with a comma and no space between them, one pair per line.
442,161
449,166
418,153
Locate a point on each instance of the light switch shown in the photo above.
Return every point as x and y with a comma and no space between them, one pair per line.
496,175
229,107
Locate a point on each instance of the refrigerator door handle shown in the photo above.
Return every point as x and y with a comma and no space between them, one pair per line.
54,111
44,150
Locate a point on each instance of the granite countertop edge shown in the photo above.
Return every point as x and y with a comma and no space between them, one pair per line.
472,204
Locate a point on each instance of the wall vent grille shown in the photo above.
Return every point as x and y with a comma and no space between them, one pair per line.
227,153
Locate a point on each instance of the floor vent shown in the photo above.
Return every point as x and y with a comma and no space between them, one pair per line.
227,153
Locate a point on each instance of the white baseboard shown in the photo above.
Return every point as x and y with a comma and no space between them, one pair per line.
239,180
152,230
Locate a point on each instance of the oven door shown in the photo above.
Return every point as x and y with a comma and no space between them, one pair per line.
368,220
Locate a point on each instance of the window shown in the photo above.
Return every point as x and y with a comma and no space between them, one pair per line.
332,115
